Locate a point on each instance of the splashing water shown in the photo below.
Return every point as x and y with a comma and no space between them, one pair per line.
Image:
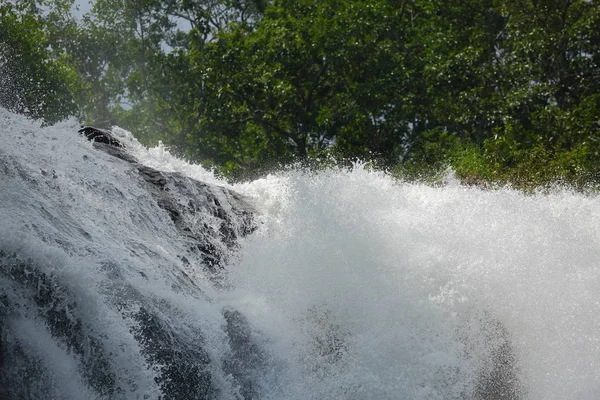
354,285
414,282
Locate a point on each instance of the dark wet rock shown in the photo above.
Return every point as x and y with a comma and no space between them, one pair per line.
26,289
183,365
118,152
22,376
211,216
246,358
212,229
100,136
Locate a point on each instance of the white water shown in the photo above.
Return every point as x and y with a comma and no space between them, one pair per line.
355,286
401,268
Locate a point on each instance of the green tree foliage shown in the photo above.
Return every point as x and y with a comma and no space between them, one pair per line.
513,84
134,59
517,82
35,78
311,76
500,90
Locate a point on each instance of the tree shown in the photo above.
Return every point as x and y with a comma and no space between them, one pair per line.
35,79
139,75
514,81
312,76
549,63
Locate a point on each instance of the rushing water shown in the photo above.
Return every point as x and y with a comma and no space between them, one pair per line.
353,286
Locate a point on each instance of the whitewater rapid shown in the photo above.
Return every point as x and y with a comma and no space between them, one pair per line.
409,274
354,285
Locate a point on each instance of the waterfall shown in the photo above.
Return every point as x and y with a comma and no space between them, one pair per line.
126,273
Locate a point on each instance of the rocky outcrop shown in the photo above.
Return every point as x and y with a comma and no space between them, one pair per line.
230,216
246,357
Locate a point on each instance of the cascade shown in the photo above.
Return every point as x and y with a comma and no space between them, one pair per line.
127,273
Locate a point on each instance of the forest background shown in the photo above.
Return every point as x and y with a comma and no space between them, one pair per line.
500,91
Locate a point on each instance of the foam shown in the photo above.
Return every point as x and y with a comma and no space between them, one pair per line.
413,276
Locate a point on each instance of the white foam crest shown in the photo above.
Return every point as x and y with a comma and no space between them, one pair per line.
410,277
160,158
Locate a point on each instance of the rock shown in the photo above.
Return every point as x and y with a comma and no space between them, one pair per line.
203,200
246,357
54,305
182,362
100,136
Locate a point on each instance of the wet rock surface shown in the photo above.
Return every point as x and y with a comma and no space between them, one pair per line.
33,293
210,216
100,136
246,357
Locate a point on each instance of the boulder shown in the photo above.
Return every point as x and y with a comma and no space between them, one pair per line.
99,136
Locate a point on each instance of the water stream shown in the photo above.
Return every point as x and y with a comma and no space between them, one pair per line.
347,285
